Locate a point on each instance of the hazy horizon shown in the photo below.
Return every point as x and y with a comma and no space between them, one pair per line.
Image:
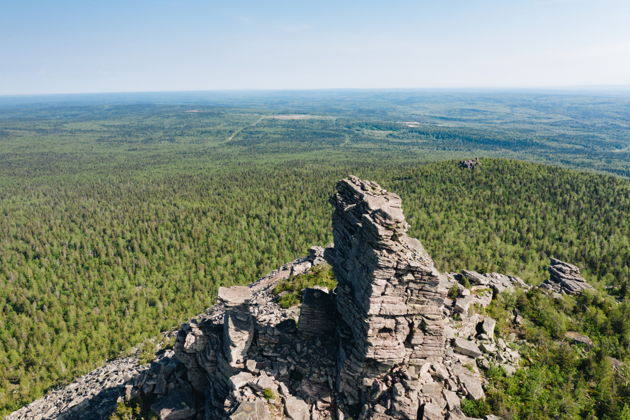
584,89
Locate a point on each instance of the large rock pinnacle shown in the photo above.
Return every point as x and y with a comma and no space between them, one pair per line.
388,288
238,324
372,349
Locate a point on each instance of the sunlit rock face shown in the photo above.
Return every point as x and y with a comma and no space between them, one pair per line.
565,278
388,295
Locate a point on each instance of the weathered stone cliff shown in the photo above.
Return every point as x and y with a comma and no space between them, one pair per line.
387,343
388,293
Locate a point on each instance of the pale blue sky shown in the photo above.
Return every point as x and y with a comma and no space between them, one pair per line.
69,46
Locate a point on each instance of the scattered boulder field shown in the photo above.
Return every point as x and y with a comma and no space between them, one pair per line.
394,340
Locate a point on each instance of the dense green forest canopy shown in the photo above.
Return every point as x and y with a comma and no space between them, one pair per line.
121,216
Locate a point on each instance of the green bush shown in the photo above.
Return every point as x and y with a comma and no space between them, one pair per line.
453,292
559,379
289,291
268,394
132,410
465,282
475,408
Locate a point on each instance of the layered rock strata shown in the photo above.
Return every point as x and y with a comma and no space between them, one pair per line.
388,292
246,358
385,344
317,313
238,324
565,278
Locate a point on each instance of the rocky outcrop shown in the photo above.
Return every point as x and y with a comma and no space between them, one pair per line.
238,324
96,394
496,281
387,343
388,293
577,338
469,163
250,352
565,278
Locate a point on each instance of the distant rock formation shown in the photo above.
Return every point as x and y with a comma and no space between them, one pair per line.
565,278
469,163
387,343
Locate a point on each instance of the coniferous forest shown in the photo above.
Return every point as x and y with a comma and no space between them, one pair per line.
121,217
